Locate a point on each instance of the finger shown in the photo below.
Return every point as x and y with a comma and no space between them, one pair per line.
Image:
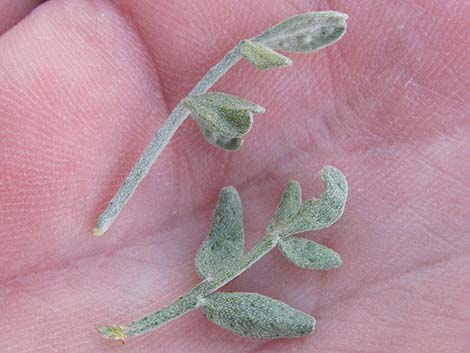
65,244
77,93
63,84
48,98
13,11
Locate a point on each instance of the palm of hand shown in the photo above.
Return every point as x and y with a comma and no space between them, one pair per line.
85,84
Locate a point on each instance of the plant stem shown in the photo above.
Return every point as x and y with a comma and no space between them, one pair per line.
195,297
159,142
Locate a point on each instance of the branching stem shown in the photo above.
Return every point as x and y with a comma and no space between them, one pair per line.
195,297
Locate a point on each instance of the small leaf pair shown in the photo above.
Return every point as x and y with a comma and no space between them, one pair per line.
299,34
222,118
292,217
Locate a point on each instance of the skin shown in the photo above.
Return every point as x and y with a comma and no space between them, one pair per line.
11,12
85,84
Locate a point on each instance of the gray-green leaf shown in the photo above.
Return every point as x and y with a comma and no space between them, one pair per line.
225,244
322,212
305,33
222,118
215,138
254,315
263,57
291,202
308,254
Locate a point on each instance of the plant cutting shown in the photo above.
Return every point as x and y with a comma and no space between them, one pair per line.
224,119
222,257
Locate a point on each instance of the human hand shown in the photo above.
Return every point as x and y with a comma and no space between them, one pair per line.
85,84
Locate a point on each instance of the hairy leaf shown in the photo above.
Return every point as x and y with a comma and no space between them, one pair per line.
216,138
291,202
322,212
308,254
254,315
305,33
263,57
225,244
222,118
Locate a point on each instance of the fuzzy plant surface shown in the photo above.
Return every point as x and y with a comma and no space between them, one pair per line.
222,257
222,118
84,86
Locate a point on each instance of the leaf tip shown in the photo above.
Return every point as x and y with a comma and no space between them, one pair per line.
229,188
332,174
293,183
337,263
229,191
310,326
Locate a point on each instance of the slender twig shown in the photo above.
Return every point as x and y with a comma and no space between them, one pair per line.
195,297
224,119
221,257
159,142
